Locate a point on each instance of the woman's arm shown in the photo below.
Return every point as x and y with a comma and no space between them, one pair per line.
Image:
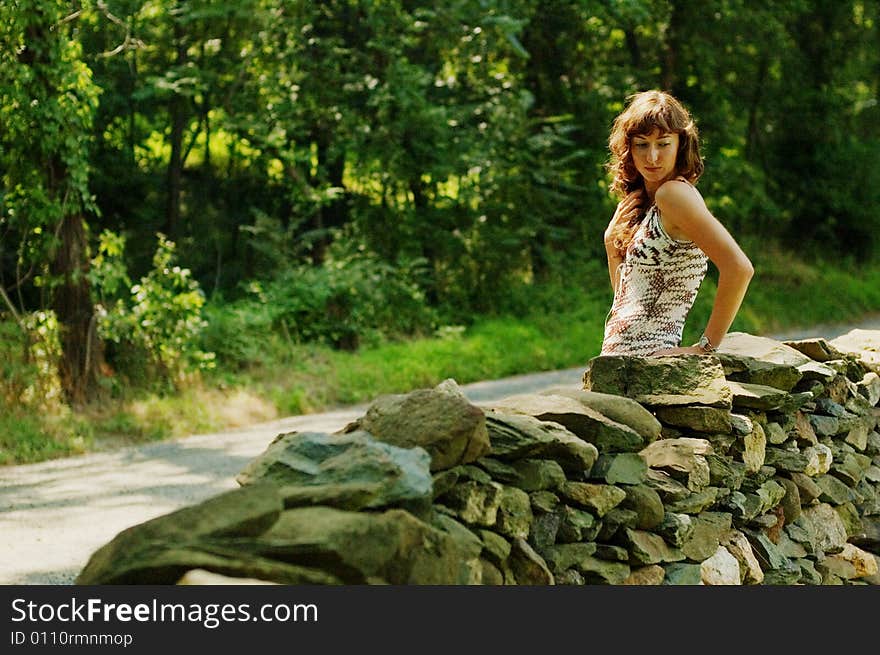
685,216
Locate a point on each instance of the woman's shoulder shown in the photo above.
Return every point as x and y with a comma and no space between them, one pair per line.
676,191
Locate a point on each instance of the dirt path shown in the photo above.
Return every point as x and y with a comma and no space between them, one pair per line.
55,514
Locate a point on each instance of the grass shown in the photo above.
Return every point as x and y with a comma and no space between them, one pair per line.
562,330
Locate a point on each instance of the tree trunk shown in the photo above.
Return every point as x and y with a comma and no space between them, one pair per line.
177,112
82,352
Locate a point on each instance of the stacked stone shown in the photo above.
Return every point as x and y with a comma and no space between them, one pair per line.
758,466
777,447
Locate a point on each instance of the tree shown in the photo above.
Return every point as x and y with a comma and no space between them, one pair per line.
47,101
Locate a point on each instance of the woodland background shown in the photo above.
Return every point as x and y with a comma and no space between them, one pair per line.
215,211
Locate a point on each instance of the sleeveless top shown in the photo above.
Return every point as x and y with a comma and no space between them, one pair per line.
657,284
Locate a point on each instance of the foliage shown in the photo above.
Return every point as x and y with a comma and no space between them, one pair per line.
162,317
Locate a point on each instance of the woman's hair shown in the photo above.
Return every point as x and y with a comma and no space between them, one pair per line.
644,113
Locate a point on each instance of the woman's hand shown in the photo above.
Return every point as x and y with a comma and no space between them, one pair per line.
626,210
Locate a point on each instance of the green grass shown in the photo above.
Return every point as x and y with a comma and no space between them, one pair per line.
278,377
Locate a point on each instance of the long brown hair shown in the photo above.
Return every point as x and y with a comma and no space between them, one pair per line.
644,113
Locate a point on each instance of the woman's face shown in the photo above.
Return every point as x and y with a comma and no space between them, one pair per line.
654,156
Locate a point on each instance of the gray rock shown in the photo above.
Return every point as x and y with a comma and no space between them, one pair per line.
516,437
724,472
597,497
662,381
775,434
615,520
683,574
348,471
669,489
696,502
586,423
697,418
475,503
576,525
649,548
615,468
791,501
617,408
646,503
824,530
562,557
440,420
514,517
704,539
833,490
538,474
676,528
816,348
528,567
808,489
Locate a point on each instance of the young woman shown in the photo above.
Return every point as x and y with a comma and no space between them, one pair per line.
662,235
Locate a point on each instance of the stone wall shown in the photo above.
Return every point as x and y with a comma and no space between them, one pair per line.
760,465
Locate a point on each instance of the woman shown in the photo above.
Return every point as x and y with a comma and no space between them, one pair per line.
662,235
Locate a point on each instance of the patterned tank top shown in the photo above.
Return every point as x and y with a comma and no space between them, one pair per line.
657,284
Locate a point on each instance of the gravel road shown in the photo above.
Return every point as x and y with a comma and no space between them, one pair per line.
55,514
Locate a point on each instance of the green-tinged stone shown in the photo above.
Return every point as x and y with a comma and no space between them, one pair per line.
791,501
741,424
588,424
754,449
744,506
775,434
761,360
824,426
570,577
704,539
597,571
756,396
612,553
858,433
538,474
514,516
823,526
771,494
617,408
851,468
443,481
516,436
440,420
490,575
783,577
544,530
474,473
495,547
544,501
834,566
528,567
565,556
625,468
697,418
809,490
724,472
829,579
682,574
669,489
770,557
348,471
661,381
498,470
696,502
790,548
616,519
475,503
576,525
852,522
809,574
646,575
786,460
599,498
676,528
646,503
649,548
833,490
468,541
